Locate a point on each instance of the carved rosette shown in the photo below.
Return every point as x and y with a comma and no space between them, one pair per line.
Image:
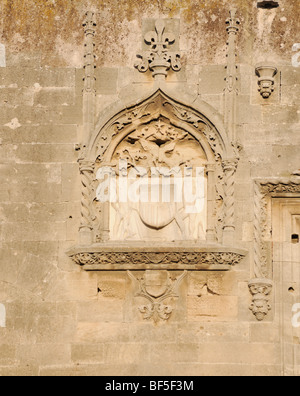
159,59
260,290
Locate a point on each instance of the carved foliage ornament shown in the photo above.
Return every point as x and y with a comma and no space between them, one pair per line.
134,259
156,290
159,59
160,105
260,290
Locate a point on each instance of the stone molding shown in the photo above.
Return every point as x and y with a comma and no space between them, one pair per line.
264,191
105,258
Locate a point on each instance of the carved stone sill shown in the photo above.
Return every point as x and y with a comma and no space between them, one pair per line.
113,257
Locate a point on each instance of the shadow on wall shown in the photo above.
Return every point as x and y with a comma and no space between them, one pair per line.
268,5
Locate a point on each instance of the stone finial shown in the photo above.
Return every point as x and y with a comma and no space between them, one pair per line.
233,22
89,23
260,290
159,59
266,81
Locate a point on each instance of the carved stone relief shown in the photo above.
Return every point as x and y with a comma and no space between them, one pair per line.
159,59
157,257
168,142
185,126
164,154
170,137
260,290
266,81
156,287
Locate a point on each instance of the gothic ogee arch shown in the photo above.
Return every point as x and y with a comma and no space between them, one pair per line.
197,117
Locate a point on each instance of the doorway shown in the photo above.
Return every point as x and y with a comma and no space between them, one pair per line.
286,264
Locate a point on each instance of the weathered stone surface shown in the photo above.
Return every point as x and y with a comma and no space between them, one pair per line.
212,308
205,109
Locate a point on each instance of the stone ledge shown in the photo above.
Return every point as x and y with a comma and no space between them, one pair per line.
172,257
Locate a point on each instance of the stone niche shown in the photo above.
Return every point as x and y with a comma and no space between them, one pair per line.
157,190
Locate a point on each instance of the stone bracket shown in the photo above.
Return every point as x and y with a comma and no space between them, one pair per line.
260,290
266,81
156,293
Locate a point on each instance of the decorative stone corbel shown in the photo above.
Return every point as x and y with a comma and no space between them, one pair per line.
260,290
159,59
266,81
156,287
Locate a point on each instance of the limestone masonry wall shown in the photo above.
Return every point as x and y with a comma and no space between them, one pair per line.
62,320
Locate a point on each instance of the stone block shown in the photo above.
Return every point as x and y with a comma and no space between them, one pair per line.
19,371
41,153
214,100
87,354
55,330
75,287
188,352
44,354
225,370
290,95
247,113
127,354
71,182
16,96
112,286
7,355
42,134
18,77
139,332
106,80
265,333
281,115
56,77
211,80
212,308
35,231
57,96
289,76
104,310
95,333
90,370
205,284
254,354
28,60
8,267
213,332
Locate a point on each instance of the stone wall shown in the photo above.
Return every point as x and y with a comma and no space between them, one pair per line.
62,320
